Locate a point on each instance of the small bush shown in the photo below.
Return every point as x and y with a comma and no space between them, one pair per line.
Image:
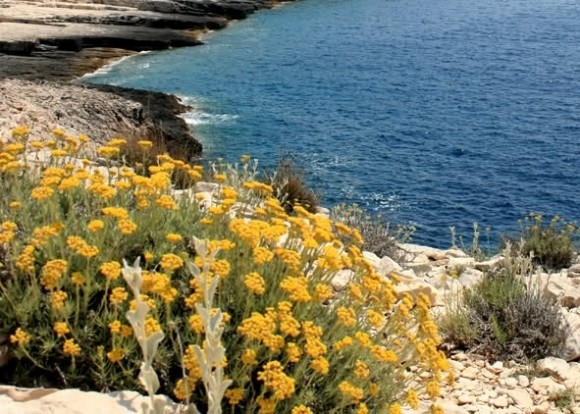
506,317
550,244
290,188
566,400
473,249
291,343
377,235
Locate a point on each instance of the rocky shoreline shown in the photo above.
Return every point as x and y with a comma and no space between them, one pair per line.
45,44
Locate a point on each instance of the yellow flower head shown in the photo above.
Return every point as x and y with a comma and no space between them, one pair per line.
111,270
118,296
71,348
77,279
144,144
249,357
116,355
234,395
95,225
20,337
174,237
255,283
41,193
171,262
61,329
115,327
52,272
167,202
57,300
117,212
20,130
349,390
273,377
127,227
301,409
320,365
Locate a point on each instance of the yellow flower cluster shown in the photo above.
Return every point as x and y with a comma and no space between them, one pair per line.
71,348
118,295
79,246
171,262
259,187
159,284
273,272
52,272
61,329
7,232
297,288
255,283
273,377
20,337
111,270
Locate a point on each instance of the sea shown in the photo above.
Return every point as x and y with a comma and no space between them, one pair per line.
432,113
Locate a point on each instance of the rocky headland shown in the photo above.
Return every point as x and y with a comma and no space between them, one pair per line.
45,45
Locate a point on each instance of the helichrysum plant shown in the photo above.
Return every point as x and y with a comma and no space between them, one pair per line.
550,244
250,320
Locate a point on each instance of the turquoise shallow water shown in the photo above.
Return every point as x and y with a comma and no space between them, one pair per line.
434,112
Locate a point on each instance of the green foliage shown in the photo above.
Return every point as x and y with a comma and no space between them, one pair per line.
505,316
473,249
550,244
566,400
376,232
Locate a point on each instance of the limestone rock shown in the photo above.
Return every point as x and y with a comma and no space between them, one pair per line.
470,277
341,280
416,250
465,399
488,265
556,367
455,253
458,262
521,398
371,257
420,268
71,401
523,381
470,373
387,265
416,287
563,289
574,270
205,187
572,344
546,386
500,402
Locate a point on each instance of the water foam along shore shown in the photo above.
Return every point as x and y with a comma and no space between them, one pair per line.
46,45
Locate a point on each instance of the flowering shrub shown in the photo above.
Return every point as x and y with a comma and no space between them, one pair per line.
379,237
550,244
292,345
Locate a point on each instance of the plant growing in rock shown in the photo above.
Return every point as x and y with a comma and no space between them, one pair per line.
473,249
261,289
377,235
567,399
505,316
551,245
290,188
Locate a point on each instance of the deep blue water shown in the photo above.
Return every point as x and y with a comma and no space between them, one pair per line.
434,112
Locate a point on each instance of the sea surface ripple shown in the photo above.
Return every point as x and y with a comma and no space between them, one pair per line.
437,113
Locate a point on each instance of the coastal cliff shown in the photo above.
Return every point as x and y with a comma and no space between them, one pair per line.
44,45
